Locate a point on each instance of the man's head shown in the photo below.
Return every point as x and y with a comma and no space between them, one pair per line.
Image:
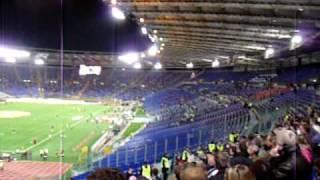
192,172
107,174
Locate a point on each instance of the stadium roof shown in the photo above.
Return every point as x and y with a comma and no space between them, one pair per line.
236,32
198,30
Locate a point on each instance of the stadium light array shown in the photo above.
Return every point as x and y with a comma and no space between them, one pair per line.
189,65
129,58
157,66
269,53
137,65
117,13
39,61
296,41
215,63
144,30
14,53
152,51
10,60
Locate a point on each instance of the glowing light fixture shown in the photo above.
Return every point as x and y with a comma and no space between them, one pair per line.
158,66
39,61
269,53
141,20
7,52
152,51
129,58
113,2
296,41
117,13
137,65
144,30
189,65
10,60
215,63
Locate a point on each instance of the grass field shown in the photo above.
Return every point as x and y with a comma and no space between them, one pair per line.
45,119
131,129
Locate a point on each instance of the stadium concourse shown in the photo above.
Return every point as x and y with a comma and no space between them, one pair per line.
160,90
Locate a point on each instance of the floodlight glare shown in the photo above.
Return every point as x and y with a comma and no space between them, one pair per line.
189,65
129,58
296,41
158,66
144,30
10,60
113,2
117,13
152,51
141,20
137,65
7,52
269,53
215,63
39,61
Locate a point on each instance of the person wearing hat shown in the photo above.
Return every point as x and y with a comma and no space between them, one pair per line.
165,166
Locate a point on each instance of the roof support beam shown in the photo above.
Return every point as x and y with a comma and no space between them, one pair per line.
229,4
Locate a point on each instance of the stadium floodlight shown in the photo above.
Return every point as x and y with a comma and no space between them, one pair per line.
142,55
255,47
152,51
15,53
137,65
10,60
296,41
189,65
161,39
141,20
155,31
269,53
88,70
113,2
144,30
129,58
157,66
162,44
39,61
215,63
117,13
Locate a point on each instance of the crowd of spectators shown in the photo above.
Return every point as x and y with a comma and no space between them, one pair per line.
289,151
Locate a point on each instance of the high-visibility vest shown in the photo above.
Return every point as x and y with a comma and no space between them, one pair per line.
185,155
231,138
212,147
165,162
220,147
146,171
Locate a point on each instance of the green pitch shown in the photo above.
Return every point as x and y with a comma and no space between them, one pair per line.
51,126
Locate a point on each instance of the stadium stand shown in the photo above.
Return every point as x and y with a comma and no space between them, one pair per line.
160,90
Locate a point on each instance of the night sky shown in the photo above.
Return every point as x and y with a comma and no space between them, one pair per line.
87,25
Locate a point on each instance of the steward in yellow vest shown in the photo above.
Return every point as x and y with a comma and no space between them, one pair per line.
146,170
165,166
212,147
185,155
220,147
